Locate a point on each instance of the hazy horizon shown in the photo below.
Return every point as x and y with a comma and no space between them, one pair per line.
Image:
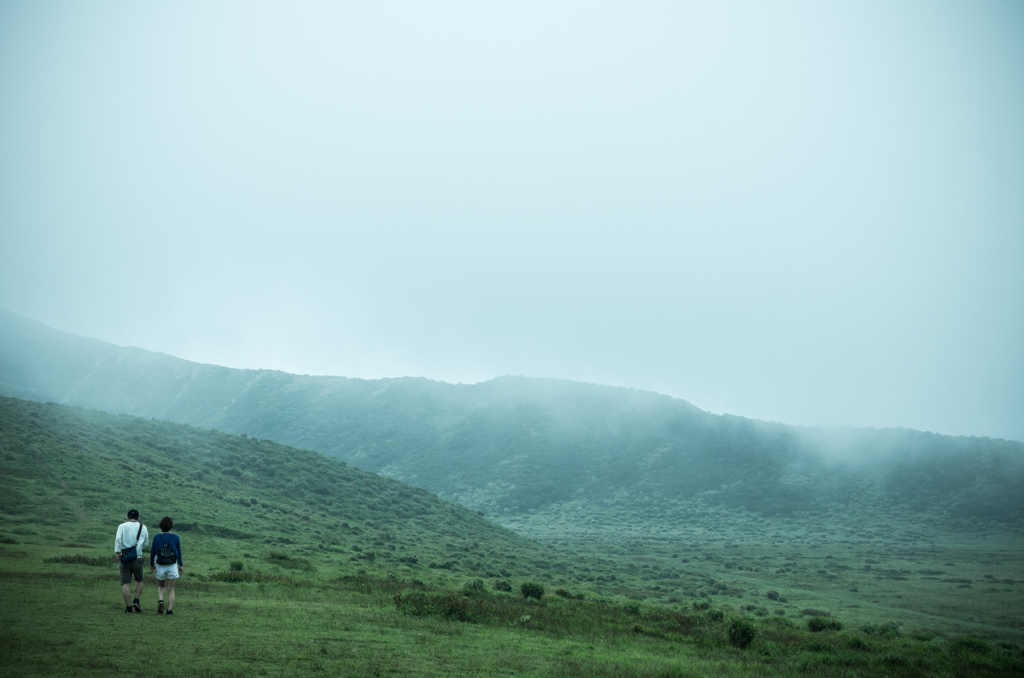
790,212
832,448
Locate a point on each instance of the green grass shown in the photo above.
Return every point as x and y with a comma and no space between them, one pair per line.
280,579
66,619
958,585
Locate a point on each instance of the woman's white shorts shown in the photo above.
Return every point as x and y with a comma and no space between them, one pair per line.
167,571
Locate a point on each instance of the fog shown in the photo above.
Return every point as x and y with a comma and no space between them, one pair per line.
789,211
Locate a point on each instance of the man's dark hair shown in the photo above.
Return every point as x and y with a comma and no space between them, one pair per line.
133,514
166,523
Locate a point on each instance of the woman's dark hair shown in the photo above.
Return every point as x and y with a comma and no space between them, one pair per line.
166,523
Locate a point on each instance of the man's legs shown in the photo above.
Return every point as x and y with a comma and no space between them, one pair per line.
125,571
138,594
129,571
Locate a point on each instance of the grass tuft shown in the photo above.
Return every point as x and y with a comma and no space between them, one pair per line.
741,632
818,624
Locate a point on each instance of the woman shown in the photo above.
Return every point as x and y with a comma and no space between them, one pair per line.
165,560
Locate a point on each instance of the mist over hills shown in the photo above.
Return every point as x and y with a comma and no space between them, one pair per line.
514,447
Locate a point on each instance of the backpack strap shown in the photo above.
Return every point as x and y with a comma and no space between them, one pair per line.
137,535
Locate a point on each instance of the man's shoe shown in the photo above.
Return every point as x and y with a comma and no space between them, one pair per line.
127,610
136,607
160,607
170,611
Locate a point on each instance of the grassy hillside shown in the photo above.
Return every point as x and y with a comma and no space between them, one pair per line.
544,455
72,475
299,564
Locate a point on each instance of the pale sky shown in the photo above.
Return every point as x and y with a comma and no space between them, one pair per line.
804,212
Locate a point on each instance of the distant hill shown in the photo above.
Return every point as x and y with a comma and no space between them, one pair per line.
515,447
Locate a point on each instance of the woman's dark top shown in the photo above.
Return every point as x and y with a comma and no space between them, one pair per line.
158,543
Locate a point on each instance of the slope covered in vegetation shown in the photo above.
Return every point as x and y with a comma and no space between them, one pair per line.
73,474
514,448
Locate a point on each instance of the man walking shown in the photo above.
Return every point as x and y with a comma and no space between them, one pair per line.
131,539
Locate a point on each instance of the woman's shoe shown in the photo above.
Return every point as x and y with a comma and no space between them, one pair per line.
160,607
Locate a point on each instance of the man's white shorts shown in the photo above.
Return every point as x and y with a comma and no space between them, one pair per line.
167,571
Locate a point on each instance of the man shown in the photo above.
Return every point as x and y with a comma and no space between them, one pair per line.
131,534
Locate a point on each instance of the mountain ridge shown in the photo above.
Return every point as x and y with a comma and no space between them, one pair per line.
513,446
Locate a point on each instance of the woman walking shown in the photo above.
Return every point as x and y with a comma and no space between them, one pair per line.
165,560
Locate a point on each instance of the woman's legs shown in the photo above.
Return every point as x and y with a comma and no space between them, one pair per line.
170,594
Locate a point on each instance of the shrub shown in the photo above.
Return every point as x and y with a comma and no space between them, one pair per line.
8,540
811,612
888,630
445,605
569,595
645,631
473,588
531,589
502,585
857,643
772,595
632,608
962,645
236,566
816,624
741,632
701,606
292,563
